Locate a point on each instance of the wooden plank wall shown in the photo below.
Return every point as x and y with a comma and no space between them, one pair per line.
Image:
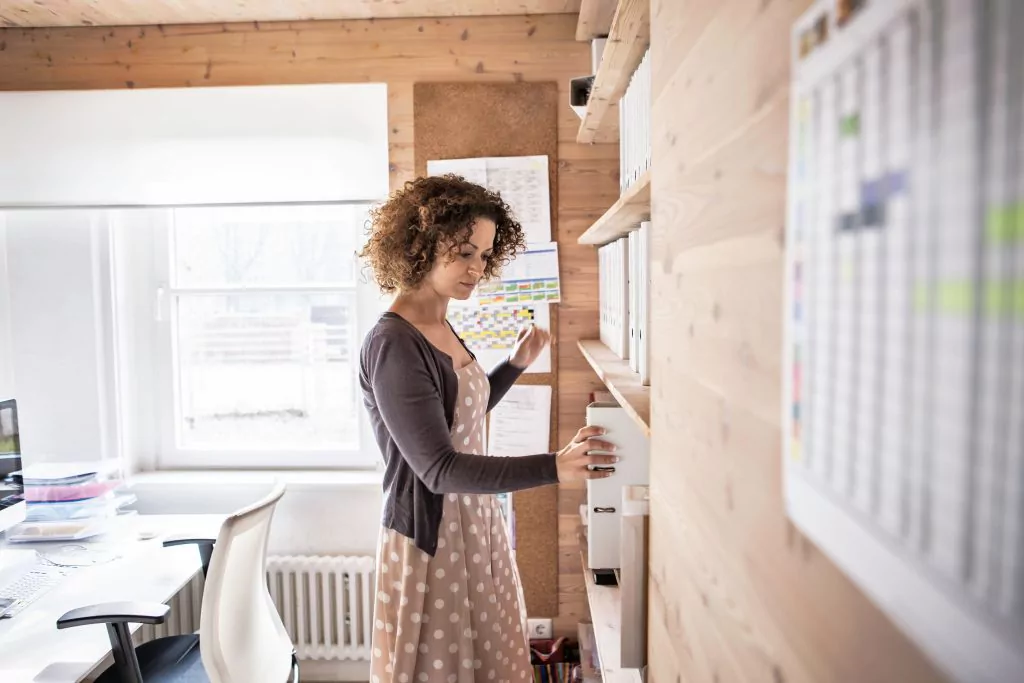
736,593
398,52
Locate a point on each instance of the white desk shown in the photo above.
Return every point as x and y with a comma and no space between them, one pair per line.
32,650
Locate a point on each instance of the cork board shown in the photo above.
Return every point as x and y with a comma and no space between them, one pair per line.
466,120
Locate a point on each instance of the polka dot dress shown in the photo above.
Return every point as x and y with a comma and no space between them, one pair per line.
459,616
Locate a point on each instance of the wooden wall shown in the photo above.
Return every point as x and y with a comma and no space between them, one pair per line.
736,593
398,52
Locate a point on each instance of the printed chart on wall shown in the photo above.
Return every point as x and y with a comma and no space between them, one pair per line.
491,332
904,380
521,181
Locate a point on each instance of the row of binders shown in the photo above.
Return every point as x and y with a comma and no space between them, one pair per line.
635,126
624,298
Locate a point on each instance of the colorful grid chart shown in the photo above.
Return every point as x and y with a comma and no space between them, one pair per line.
490,328
904,407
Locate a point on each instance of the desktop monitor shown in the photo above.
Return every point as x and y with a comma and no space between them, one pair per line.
12,500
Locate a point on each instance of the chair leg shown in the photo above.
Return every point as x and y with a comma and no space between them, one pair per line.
125,660
295,669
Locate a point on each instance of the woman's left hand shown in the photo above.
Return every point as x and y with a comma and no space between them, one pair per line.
530,342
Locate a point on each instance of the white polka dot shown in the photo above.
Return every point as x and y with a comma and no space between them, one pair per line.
506,574
384,569
496,628
441,542
376,652
487,569
467,663
408,569
421,587
480,588
480,397
439,603
469,400
422,677
454,557
379,624
439,573
389,628
476,558
522,674
415,617
403,678
494,555
410,648
404,601
479,511
453,648
467,603
519,629
394,556
477,664
455,588
483,616
465,442
520,652
459,430
466,500
472,529
385,598
453,497
474,413
438,634
423,648
490,675
487,645
438,664
426,618
453,527
375,679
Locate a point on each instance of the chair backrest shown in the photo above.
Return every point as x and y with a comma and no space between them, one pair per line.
241,634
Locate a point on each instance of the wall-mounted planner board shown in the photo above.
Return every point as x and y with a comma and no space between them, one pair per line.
904,367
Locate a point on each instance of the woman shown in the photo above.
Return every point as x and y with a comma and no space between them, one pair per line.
449,605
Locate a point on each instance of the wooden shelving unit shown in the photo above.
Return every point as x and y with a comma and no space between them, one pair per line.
627,41
625,215
595,19
622,382
605,613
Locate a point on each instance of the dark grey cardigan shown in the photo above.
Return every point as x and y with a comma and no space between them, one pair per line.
409,389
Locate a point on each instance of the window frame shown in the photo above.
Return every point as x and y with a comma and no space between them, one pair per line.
369,304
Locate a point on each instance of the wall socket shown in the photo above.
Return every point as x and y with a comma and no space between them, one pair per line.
540,628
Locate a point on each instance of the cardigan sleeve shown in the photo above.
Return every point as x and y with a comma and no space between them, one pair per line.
502,377
412,410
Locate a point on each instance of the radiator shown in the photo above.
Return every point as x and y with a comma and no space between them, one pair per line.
325,602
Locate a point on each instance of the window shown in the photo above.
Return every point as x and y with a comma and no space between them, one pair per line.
260,314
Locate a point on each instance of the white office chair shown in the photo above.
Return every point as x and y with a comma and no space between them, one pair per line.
241,638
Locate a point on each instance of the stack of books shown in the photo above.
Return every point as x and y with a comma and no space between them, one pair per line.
624,298
635,126
69,501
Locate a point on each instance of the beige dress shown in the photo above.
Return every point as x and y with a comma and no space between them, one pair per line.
459,616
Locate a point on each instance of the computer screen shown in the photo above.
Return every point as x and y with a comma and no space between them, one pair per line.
11,487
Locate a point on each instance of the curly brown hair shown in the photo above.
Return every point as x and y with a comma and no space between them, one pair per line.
431,217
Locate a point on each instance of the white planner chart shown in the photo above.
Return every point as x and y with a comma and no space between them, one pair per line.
521,181
904,373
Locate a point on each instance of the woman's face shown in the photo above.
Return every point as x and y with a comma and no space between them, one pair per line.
456,279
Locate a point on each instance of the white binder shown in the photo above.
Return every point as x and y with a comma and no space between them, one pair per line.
604,496
644,303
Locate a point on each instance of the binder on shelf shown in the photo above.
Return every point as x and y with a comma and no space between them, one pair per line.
604,496
635,126
644,301
634,300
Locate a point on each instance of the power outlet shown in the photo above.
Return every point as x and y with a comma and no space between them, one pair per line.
540,628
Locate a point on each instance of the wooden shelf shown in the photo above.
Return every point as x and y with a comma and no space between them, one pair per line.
624,384
595,19
627,41
605,613
624,216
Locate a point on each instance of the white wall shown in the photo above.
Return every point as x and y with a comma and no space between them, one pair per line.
288,143
60,333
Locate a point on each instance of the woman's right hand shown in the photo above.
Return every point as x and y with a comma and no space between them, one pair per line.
574,460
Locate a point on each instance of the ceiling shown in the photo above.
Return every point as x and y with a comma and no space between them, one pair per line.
28,13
